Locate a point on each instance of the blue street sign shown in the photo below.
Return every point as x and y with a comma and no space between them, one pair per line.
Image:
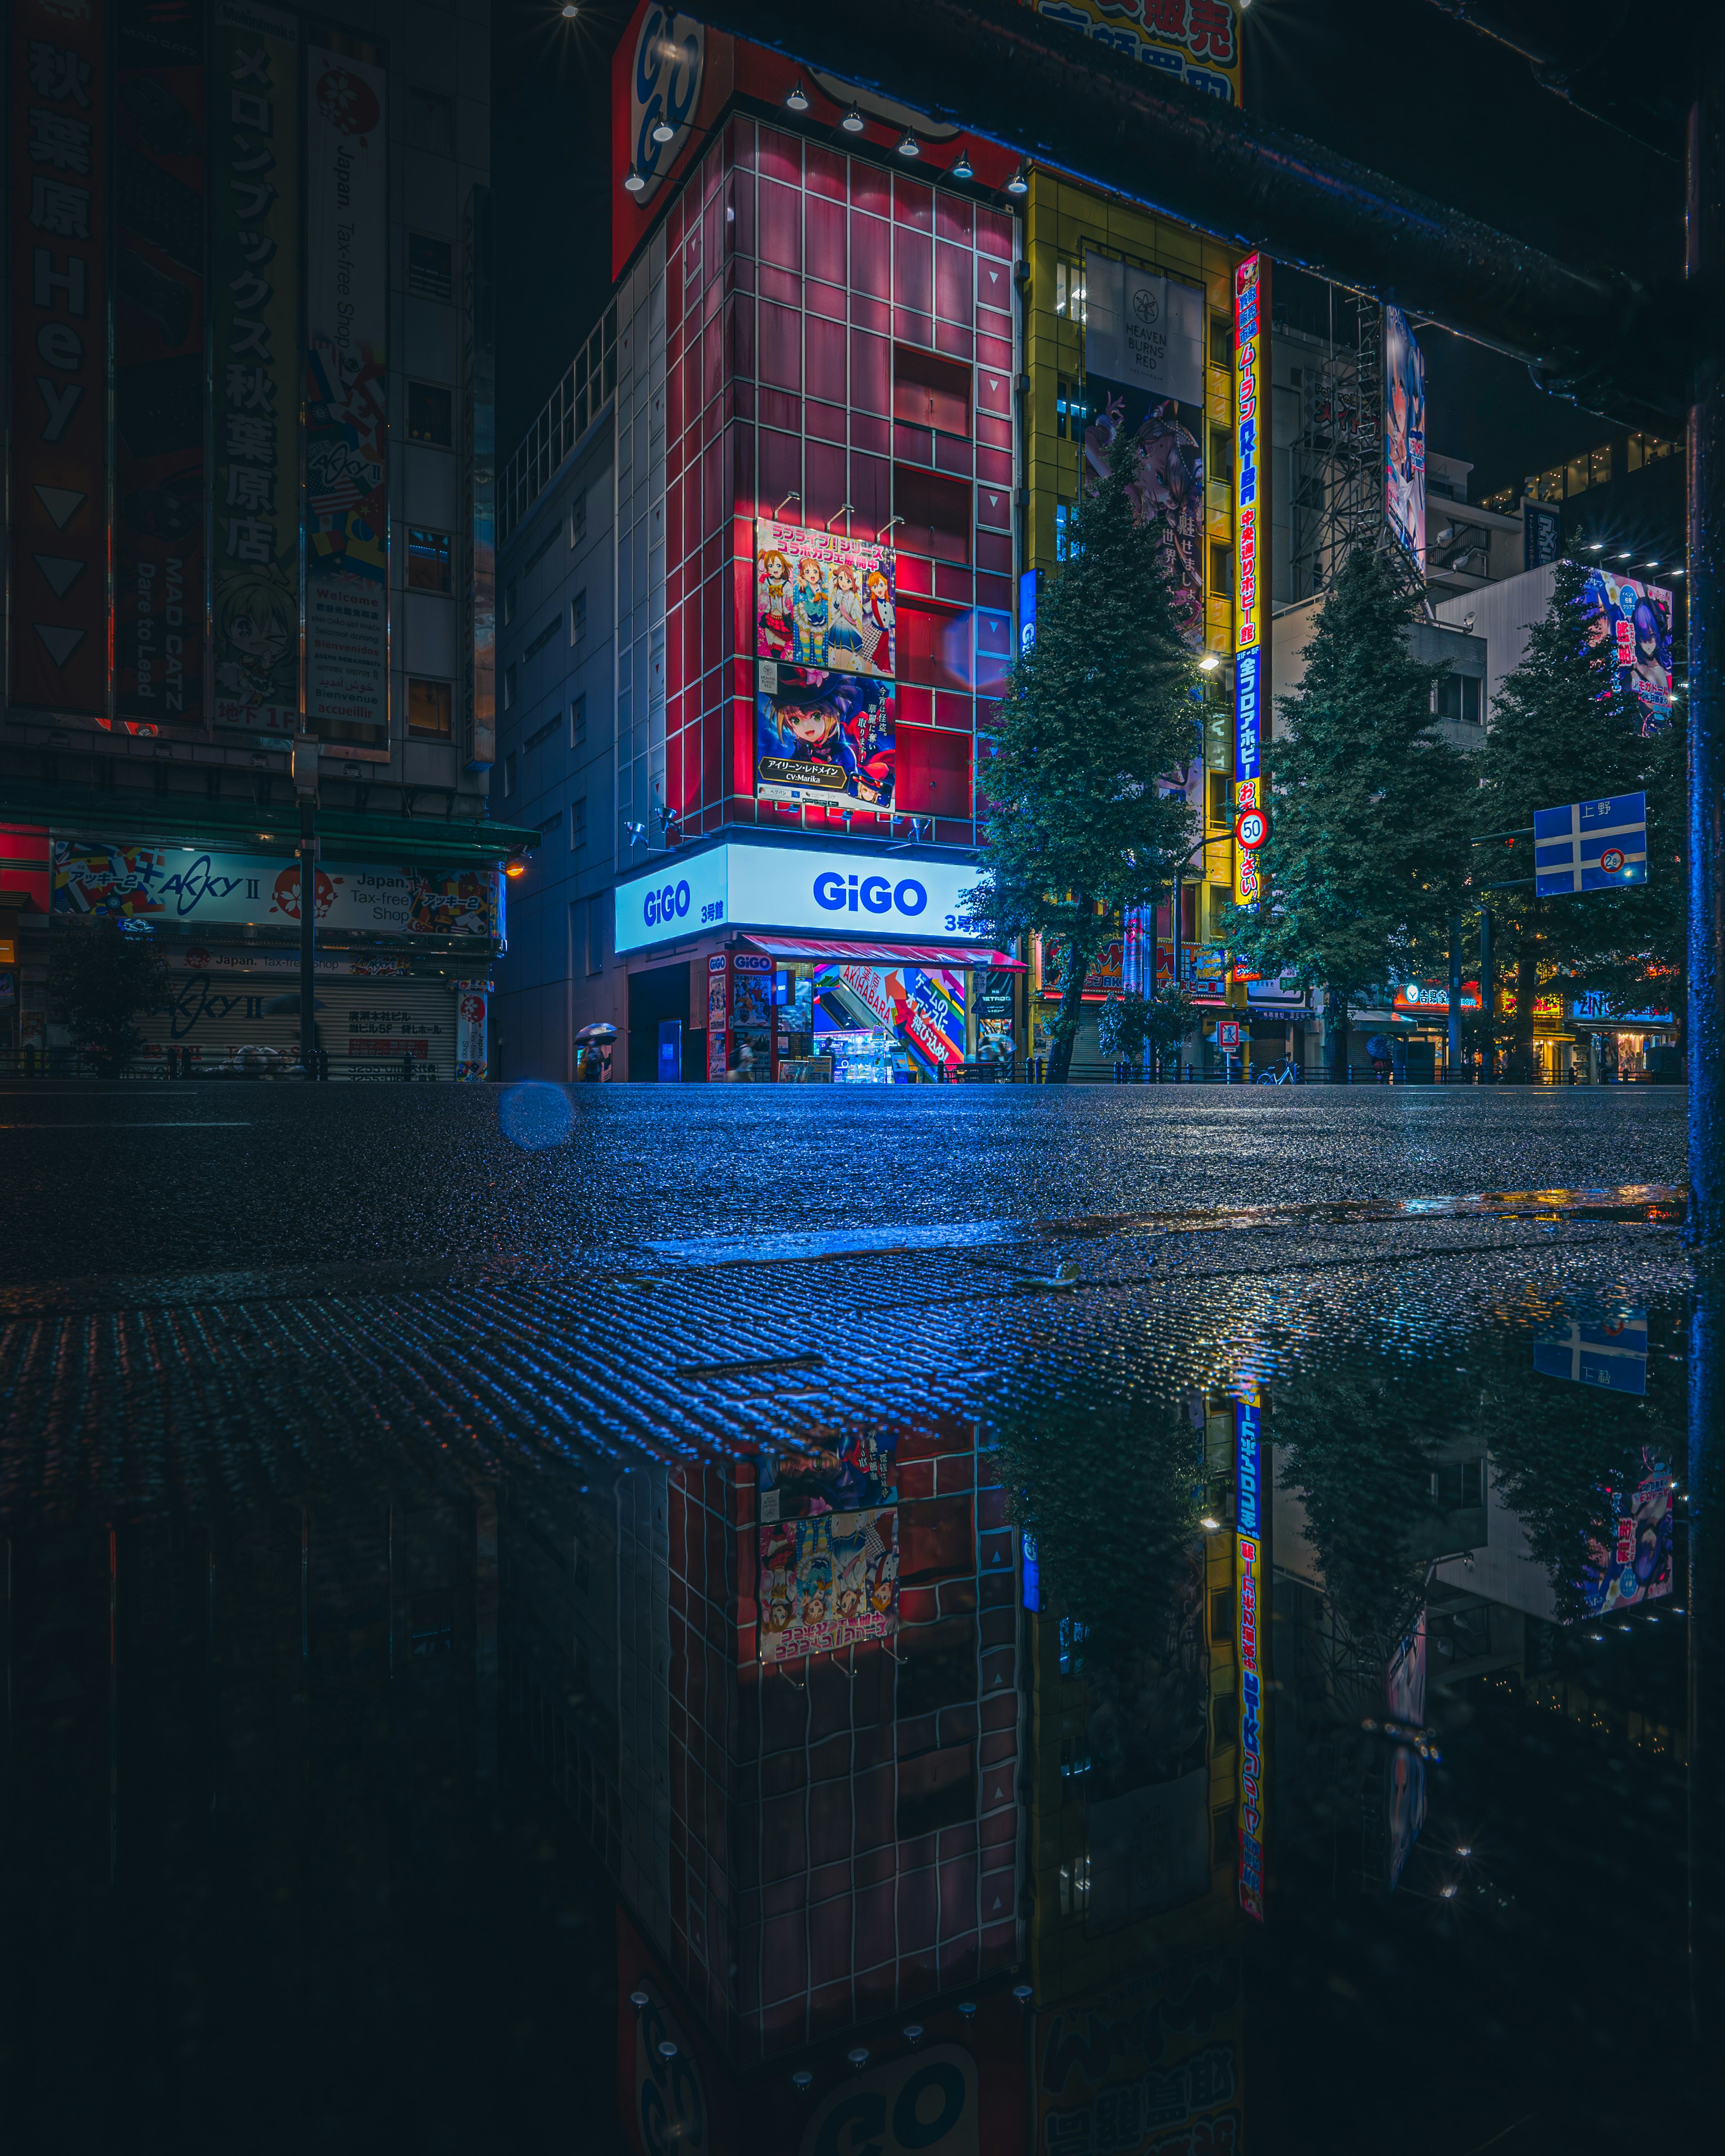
1590,845
1610,1352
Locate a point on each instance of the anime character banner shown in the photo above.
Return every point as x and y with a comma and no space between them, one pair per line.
1635,618
827,1582
1144,346
1405,434
826,738
255,288
824,601
1636,1567
346,396
859,1469
179,883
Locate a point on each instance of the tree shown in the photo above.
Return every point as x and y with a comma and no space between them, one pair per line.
1099,705
98,977
1369,811
1127,1024
1565,727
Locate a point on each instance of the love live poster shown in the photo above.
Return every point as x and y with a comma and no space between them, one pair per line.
823,600
827,1582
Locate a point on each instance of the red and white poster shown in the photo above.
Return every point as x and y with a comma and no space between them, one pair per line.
59,354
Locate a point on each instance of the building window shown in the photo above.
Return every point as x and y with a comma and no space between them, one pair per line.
595,935
1459,1486
1069,291
430,267
936,512
928,391
1221,569
427,560
1224,1834
1222,455
540,641
509,773
540,734
1222,343
1064,514
578,516
508,685
429,710
577,721
578,824
1071,409
431,122
431,415
1459,699
508,603
578,616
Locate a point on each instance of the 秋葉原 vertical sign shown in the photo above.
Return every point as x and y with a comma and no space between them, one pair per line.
159,372
255,296
347,401
1252,1576
58,506
1252,317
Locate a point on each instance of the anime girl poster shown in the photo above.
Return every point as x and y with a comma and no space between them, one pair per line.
856,1468
825,737
824,601
1635,618
1405,434
826,1583
1166,480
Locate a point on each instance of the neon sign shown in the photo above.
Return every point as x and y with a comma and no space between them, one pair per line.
1251,292
1251,1574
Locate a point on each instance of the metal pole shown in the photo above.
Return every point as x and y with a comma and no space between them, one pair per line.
1488,1000
1705,1230
1452,1051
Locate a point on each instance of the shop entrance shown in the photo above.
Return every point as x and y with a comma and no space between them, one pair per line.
660,994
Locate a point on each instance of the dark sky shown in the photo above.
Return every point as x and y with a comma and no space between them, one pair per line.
1395,83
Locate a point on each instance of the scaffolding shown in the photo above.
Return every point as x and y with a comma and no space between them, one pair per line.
1335,460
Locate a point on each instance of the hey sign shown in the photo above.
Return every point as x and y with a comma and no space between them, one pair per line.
1590,845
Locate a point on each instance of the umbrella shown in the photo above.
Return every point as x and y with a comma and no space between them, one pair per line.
289,1006
595,1035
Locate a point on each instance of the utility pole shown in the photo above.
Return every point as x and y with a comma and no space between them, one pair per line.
1488,1000
305,793
1452,1051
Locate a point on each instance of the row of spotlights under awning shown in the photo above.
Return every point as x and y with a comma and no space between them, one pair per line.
1598,546
796,99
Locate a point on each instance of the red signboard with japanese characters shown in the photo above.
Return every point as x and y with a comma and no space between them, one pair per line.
60,477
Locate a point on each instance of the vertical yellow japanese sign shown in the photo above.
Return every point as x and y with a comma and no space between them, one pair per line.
1251,537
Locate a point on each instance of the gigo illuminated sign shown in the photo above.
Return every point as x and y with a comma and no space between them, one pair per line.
1251,313
793,887
1252,1574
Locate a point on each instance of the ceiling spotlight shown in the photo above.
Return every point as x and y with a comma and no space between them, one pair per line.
664,131
1653,564
796,98
853,123
962,169
570,11
1676,572
636,181
1624,557
1595,546
1019,183
909,147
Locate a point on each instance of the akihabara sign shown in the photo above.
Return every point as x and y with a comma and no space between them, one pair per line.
1251,296
253,891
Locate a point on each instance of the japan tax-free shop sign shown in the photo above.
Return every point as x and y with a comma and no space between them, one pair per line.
807,889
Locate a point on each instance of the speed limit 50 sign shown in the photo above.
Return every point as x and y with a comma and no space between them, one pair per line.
1251,828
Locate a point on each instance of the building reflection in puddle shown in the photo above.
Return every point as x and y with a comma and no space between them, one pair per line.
985,1865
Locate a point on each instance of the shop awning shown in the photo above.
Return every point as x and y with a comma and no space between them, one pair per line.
858,950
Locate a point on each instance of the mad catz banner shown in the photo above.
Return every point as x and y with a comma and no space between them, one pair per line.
178,883
827,1582
254,510
824,737
159,370
347,397
58,510
824,601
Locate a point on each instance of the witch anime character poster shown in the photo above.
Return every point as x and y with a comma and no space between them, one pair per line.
1635,618
824,601
827,1582
825,737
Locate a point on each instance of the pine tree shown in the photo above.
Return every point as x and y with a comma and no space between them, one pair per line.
1370,811
1099,706
1564,728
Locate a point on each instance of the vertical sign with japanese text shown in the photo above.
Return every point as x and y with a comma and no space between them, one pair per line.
254,286
1253,1577
346,394
478,740
58,504
1251,527
159,372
